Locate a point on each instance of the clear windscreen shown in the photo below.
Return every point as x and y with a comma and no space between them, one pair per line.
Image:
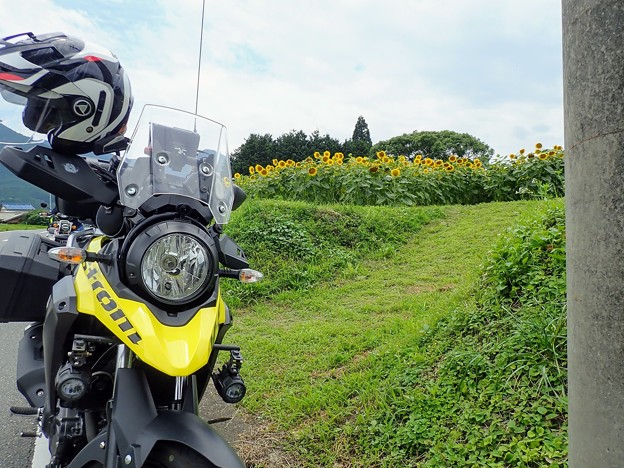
179,153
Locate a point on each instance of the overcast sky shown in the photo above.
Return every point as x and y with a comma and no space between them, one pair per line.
490,68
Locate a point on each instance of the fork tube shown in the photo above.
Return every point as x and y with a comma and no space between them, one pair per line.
123,356
178,396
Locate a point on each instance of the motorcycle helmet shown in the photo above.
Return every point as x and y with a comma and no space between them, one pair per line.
74,92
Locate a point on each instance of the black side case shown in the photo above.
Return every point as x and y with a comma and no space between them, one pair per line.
27,275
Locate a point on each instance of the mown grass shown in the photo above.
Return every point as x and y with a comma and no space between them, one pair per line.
18,227
387,356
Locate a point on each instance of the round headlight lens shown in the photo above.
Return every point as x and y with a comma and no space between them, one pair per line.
175,267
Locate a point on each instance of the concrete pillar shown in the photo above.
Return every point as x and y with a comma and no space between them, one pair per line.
593,73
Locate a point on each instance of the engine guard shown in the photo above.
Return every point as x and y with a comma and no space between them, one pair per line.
136,427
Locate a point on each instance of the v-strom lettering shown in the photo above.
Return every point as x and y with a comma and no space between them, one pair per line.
110,306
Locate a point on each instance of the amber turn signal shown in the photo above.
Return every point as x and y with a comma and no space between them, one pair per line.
73,255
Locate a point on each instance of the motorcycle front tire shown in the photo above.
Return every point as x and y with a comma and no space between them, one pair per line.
166,454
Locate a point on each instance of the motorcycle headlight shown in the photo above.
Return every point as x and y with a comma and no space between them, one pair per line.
175,267
174,262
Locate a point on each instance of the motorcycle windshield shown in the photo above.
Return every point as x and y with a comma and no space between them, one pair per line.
178,153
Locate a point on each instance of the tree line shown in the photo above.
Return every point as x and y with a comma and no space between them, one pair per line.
297,145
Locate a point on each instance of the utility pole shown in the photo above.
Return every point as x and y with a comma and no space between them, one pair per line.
593,74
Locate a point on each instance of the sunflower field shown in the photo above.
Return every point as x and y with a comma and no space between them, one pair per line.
388,180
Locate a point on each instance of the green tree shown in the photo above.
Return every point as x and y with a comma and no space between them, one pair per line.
323,143
435,144
360,143
292,145
257,149
361,132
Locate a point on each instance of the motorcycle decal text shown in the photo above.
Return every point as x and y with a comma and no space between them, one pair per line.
110,306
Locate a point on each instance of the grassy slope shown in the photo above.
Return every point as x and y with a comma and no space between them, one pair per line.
318,360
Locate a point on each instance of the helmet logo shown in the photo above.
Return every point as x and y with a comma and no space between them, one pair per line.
69,167
82,108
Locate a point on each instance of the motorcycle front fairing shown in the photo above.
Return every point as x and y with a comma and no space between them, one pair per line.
176,349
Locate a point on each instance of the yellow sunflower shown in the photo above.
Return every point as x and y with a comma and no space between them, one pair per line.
326,154
359,160
543,156
282,164
373,168
264,172
453,158
259,168
395,172
237,176
538,145
251,170
275,162
312,171
317,155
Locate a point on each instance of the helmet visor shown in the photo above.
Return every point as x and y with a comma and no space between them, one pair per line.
13,130
27,116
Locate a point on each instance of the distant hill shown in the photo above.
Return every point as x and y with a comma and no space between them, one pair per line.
12,188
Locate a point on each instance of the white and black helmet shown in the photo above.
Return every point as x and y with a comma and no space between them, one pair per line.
75,92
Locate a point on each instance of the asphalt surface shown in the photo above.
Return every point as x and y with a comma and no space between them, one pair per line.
15,451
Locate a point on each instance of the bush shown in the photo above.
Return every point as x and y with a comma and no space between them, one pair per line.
35,218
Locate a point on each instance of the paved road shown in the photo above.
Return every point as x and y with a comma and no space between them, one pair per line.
15,452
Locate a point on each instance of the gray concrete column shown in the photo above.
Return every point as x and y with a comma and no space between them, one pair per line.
593,73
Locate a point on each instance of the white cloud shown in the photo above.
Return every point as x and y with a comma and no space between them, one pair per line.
489,68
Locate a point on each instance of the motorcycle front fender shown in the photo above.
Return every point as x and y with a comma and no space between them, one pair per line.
136,427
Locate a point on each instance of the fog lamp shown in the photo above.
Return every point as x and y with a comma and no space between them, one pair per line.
228,382
72,384
229,385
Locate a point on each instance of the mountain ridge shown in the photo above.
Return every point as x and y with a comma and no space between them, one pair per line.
12,188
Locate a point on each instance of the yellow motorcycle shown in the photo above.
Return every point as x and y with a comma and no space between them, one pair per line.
128,318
